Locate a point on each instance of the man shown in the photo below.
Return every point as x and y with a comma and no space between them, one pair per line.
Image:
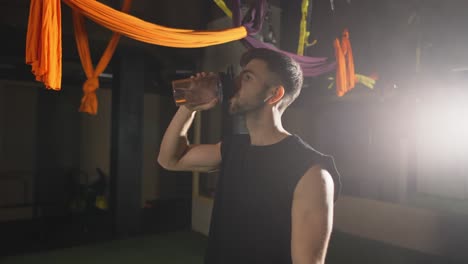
275,195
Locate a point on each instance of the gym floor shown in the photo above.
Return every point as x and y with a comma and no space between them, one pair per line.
188,247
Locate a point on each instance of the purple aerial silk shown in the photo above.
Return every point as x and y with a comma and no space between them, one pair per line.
311,66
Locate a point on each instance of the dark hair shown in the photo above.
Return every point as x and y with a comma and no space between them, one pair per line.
287,70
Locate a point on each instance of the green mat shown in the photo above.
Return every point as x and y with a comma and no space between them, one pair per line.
189,247
172,248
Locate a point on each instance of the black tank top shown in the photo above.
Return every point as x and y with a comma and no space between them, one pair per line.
251,218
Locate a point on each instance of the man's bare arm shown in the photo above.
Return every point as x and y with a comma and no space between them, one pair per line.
176,153
312,217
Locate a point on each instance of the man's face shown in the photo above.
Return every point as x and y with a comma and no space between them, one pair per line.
252,90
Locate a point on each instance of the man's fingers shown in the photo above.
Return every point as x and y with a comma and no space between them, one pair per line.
213,103
201,74
209,105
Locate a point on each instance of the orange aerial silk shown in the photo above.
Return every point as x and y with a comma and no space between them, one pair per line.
44,42
345,75
138,29
44,39
89,102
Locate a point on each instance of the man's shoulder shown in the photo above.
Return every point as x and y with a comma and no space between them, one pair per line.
313,157
301,145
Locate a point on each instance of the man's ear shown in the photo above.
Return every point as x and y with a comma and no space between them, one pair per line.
278,95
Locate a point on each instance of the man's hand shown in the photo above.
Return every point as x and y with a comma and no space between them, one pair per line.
201,89
176,153
201,107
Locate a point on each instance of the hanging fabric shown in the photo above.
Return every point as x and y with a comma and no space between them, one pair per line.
138,29
345,75
303,32
311,66
222,5
89,102
44,42
44,35
367,81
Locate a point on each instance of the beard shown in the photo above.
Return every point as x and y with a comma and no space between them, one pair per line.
234,107
243,107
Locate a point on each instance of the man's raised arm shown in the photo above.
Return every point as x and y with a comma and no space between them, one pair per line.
176,153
